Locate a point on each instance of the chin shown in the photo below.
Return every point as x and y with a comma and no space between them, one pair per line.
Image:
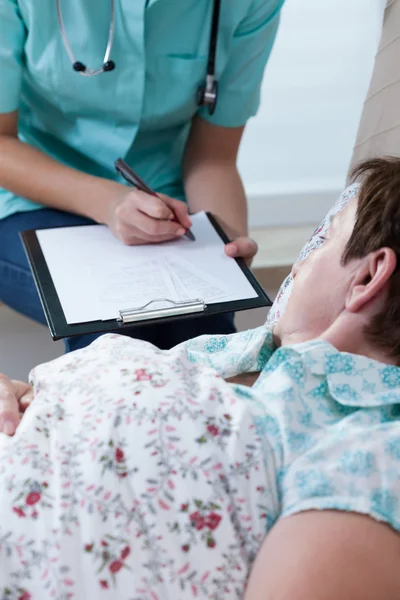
296,337
277,338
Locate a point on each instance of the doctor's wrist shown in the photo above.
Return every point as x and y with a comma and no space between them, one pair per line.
104,200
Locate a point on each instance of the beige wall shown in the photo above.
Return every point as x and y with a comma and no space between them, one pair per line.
23,344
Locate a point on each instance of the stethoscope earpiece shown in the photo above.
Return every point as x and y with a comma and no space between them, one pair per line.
77,65
109,65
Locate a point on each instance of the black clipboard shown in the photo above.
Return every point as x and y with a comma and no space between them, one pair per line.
59,328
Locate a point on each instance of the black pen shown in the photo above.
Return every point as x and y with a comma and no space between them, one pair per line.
131,177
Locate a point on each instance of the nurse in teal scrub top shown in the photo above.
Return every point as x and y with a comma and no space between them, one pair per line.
61,130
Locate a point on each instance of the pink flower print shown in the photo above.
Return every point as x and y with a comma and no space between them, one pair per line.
205,576
163,504
25,596
183,569
318,230
211,543
213,430
32,498
119,455
115,566
197,520
184,507
213,520
89,547
104,543
185,548
142,375
19,511
104,584
125,552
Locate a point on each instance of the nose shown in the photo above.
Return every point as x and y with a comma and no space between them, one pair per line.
298,265
296,269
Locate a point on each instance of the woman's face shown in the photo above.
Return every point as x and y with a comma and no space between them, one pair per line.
320,284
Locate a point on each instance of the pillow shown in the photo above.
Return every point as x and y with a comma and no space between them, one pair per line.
313,243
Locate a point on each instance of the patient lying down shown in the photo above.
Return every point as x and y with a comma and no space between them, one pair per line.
143,474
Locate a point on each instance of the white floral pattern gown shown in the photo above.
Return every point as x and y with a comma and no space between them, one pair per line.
135,474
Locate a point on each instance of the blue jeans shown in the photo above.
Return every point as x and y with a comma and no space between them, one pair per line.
17,288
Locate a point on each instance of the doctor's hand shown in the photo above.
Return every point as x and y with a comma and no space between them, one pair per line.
242,247
138,218
15,397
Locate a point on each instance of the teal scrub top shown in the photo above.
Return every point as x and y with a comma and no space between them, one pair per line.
143,109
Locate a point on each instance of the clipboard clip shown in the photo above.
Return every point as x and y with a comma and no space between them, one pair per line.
147,312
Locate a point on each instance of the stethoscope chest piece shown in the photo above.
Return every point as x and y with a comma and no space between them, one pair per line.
207,94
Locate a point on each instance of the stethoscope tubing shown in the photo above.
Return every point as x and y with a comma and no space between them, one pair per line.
206,94
110,43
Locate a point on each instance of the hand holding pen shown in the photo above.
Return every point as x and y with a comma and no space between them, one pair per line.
143,217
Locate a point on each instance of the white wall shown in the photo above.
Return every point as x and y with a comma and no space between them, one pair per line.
296,151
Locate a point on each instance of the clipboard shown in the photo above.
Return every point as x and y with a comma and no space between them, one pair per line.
150,313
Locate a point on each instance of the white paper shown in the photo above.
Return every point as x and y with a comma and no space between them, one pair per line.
132,286
96,276
196,282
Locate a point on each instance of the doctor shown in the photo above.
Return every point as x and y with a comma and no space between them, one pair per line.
167,84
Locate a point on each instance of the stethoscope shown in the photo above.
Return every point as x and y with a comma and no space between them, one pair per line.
207,93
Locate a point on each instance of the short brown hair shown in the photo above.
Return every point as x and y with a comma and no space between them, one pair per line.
377,226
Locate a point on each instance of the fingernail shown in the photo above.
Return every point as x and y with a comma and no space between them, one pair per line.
181,231
8,428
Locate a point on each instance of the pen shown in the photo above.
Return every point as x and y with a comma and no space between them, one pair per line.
131,177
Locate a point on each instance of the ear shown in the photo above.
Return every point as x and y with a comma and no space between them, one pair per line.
371,278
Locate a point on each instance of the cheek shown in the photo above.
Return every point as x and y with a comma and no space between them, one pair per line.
327,290
315,300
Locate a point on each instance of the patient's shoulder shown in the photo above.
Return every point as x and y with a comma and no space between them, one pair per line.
316,370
